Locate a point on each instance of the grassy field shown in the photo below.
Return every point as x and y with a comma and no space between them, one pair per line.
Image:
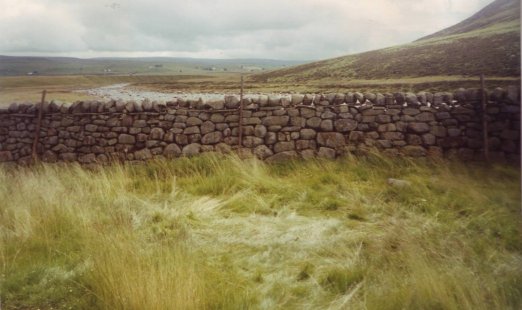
215,232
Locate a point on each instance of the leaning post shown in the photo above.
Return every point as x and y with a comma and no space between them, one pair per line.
484,118
240,139
38,126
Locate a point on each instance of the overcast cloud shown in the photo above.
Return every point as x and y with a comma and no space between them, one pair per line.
276,29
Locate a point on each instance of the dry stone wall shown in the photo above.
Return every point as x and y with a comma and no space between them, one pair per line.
400,124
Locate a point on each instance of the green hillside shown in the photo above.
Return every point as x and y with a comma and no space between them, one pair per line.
488,43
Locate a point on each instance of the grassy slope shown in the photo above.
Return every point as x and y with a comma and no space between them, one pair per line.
488,43
220,233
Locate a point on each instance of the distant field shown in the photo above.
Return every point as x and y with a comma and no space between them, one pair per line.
23,78
63,88
215,232
23,65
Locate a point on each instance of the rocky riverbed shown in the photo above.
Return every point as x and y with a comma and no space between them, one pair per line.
127,92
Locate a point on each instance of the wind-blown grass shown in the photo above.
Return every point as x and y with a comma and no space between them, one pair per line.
215,232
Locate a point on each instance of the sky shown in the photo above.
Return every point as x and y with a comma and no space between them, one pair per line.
271,29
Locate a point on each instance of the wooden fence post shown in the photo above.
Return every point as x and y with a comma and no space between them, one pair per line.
38,126
240,139
484,118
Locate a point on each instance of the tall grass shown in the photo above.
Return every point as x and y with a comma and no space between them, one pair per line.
217,232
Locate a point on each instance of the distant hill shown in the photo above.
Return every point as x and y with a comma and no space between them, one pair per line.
24,65
488,42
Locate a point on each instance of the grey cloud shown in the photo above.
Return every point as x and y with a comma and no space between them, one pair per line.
284,29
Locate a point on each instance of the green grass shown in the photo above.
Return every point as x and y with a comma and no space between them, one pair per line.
216,232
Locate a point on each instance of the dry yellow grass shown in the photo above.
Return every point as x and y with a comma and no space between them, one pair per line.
216,232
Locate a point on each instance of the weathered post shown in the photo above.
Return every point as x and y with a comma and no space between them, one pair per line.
240,139
37,129
484,118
